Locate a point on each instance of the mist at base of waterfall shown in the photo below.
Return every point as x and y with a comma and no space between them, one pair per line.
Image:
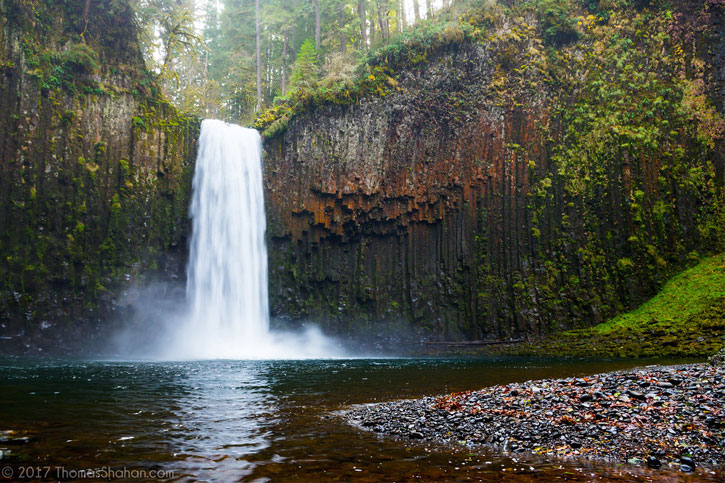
308,343
157,327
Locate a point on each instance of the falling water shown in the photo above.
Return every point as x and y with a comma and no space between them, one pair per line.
227,272
228,314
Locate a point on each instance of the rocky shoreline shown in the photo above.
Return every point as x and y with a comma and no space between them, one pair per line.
655,416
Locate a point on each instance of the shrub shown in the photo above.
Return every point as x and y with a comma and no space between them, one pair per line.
81,59
558,24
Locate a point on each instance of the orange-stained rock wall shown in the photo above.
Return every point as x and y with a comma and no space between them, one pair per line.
379,212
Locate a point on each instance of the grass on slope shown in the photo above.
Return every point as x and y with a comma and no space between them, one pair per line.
687,318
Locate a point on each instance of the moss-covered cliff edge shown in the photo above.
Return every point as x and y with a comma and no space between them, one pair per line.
95,171
510,174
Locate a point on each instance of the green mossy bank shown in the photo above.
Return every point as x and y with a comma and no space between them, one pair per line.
95,172
685,319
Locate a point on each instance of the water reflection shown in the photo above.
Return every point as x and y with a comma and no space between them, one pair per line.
227,415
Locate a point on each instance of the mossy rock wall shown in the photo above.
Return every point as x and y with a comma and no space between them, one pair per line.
95,172
501,187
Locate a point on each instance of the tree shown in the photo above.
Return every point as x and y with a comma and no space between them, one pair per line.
234,64
259,57
403,22
211,33
341,20
362,13
168,34
317,24
305,69
383,18
86,10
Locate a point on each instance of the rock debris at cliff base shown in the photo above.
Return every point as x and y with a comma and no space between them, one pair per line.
655,416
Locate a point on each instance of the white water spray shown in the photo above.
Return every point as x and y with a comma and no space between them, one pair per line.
227,272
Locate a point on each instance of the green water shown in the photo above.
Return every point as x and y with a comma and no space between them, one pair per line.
259,420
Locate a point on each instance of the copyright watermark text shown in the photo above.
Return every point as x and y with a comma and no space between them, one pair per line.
64,474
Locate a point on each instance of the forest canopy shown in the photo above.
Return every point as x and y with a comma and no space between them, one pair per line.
232,58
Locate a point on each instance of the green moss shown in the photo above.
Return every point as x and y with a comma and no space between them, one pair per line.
558,21
76,217
687,318
68,117
139,122
100,149
689,293
80,59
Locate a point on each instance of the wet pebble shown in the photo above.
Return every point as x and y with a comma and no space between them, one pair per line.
687,464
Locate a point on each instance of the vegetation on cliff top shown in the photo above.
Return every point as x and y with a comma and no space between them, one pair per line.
376,71
556,24
230,58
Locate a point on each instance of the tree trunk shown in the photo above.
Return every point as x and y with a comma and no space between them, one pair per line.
207,96
284,64
86,10
383,19
293,39
271,69
372,26
317,24
343,37
428,9
259,57
363,23
402,23
416,10
167,51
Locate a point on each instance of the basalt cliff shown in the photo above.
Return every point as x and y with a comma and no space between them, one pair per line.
502,178
95,172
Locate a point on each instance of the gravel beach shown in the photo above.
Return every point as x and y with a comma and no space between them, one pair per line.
656,416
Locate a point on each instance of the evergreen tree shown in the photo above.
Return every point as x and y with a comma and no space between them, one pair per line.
305,70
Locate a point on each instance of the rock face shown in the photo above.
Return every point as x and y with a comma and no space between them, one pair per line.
379,209
473,199
95,170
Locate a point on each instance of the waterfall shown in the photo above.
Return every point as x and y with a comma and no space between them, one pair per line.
227,272
228,310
